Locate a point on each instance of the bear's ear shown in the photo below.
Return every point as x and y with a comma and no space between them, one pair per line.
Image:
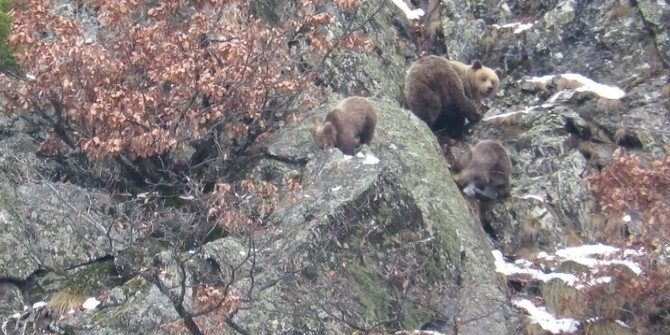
477,64
499,72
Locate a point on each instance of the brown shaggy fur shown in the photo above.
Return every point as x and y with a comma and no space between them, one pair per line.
347,127
443,93
486,165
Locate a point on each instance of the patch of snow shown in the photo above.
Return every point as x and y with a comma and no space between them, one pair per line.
186,197
595,282
532,196
631,252
370,160
523,262
143,195
31,76
505,8
605,91
621,323
523,26
582,255
542,80
499,116
517,26
16,315
337,188
601,280
585,250
90,304
393,146
547,321
39,304
588,85
411,14
546,256
504,115
553,99
626,218
510,269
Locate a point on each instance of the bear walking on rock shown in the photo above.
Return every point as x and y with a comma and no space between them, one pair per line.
347,127
443,93
484,170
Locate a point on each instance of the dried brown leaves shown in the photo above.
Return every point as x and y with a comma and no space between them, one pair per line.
159,74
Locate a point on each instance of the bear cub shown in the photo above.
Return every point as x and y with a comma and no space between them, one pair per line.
347,127
484,171
443,92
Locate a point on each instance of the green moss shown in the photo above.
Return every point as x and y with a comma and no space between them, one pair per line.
98,317
374,295
6,57
134,285
385,213
90,279
93,277
573,267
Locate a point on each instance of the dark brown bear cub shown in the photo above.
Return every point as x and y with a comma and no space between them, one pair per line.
484,171
443,93
347,127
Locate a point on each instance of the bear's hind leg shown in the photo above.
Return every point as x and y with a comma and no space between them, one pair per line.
368,130
424,103
453,125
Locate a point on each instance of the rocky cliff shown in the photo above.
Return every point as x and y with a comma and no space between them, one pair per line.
377,243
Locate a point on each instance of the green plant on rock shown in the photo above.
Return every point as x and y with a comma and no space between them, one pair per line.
6,57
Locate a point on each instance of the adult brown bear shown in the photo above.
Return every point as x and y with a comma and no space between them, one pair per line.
443,93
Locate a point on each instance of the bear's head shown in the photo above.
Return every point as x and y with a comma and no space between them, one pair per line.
323,134
476,184
472,178
484,81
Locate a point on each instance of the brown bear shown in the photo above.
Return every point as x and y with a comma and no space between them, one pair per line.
443,93
484,170
347,127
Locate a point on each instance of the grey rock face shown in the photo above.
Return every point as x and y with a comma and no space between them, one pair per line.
45,224
554,132
399,221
